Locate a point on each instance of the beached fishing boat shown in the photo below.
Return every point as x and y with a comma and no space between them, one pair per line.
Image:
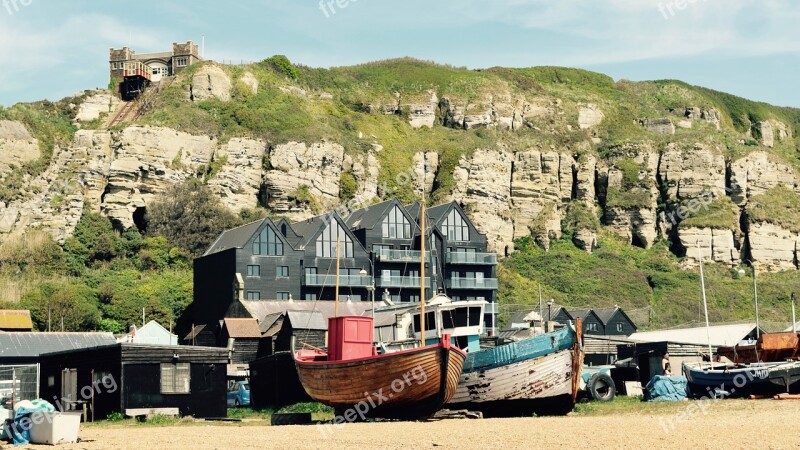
741,380
351,375
538,374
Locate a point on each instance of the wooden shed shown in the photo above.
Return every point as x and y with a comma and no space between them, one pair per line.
137,379
300,327
274,382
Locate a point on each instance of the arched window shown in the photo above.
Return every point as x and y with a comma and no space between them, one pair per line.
396,226
326,242
455,227
267,243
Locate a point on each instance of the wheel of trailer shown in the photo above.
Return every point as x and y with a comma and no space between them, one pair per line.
601,387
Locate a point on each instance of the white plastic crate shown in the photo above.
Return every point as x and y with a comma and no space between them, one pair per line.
56,428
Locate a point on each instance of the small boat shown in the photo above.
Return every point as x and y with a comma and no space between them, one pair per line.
713,380
412,383
352,376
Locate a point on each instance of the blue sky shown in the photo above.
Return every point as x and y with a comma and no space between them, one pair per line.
51,49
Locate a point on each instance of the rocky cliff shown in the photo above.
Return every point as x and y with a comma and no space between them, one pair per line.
530,151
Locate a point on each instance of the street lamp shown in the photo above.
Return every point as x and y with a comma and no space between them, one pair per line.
370,287
755,291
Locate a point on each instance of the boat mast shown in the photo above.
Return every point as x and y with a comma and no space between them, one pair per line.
705,302
422,273
336,295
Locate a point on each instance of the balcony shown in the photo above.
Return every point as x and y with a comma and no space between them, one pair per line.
401,256
329,280
471,258
471,283
401,282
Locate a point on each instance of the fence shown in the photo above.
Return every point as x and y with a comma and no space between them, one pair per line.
19,383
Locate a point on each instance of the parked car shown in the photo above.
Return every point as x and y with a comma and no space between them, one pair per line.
239,394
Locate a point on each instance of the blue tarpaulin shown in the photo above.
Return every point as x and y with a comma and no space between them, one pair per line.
20,430
666,389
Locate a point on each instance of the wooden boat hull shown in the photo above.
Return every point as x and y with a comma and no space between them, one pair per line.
412,383
539,374
771,347
742,379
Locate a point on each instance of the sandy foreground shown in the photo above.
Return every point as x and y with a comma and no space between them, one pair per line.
731,425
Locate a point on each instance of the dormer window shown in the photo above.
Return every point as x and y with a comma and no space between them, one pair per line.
267,243
396,226
455,227
326,242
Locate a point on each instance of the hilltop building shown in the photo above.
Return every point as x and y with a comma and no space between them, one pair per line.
162,63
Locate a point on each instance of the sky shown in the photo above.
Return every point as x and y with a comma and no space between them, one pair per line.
54,48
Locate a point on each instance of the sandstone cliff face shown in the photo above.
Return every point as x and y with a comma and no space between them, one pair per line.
17,145
757,173
96,105
147,160
716,245
693,171
499,110
296,165
210,81
773,247
238,182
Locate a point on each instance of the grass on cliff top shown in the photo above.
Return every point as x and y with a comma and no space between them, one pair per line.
717,213
779,205
637,279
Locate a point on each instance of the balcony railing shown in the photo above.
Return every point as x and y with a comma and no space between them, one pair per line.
471,283
401,282
406,256
329,280
471,258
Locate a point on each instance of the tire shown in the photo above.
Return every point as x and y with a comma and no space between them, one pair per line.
601,387
236,403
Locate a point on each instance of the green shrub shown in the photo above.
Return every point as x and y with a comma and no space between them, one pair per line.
282,64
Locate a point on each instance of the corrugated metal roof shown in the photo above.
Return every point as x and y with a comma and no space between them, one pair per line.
721,335
267,323
261,308
307,320
21,345
15,320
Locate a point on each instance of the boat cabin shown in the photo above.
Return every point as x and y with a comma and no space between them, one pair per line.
462,320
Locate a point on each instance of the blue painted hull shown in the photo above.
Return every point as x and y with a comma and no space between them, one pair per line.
742,380
514,378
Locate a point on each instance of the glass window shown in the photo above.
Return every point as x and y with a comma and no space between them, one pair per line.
253,271
430,321
267,243
326,242
252,295
176,378
351,297
311,296
619,327
282,296
591,327
455,227
282,271
376,248
396,226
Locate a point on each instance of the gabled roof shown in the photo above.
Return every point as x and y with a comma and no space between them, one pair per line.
605,315
307,320
270,324
15,320
309,229
22,344
234,238
369,216
242,328
194,333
